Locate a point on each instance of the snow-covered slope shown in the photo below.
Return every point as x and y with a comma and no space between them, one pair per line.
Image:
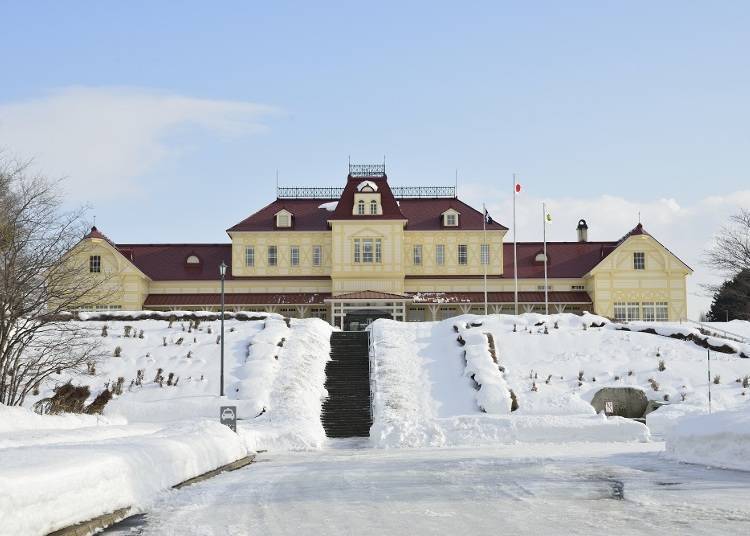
436,383
268,366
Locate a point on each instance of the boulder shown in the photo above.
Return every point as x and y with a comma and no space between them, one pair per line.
627,402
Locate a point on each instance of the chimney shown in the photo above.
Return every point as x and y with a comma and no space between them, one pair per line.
583,231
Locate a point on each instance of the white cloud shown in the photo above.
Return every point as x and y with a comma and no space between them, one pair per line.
686,228
102,139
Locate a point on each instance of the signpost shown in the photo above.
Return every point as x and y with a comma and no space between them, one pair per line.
228,417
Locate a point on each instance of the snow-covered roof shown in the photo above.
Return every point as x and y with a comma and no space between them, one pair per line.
330,206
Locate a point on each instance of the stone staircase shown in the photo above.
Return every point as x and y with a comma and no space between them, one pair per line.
346,412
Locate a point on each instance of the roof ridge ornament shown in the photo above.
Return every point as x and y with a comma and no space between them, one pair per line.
367,170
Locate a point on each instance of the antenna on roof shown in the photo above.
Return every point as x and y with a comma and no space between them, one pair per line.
639,216
94,220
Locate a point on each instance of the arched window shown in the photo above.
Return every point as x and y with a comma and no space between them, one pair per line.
373,207
193,259
361,208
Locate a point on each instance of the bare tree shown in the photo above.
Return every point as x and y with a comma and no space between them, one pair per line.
730,253
40,280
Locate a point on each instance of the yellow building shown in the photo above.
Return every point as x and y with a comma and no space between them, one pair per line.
367,250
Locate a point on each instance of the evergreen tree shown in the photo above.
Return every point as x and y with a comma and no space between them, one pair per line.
732,299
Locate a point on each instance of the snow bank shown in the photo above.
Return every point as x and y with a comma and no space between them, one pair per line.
44,488
721,439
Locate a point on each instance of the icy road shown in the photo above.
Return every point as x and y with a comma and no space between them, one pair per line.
529,489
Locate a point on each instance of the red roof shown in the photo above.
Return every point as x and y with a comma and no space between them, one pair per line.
179,300
502,297
566,259
96,233
166,262
423,214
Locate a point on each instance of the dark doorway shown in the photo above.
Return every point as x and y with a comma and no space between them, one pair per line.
359,320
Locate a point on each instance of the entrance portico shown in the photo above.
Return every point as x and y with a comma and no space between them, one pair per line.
355,310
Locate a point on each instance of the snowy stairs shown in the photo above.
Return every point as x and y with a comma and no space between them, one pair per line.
346,411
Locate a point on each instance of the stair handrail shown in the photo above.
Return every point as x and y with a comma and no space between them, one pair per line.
371,351
718,332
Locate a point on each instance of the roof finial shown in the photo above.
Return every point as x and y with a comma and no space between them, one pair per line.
94,220
639,217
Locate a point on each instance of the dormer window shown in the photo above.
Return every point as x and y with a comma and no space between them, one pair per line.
361,208
283,219
540,257
450,218
373,207
193,260
367,187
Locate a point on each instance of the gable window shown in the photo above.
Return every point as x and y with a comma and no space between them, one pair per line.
440,254
95,264
317,255
639,260
193,259
294,255
417,254
249,256
373,207
273,257
463,254
485,253
361,207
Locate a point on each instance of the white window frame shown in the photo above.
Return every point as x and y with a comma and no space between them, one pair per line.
294,255
378,251
283,220
451,220
485,253
639,260
440,254
357,250
249,255
417,255
373,208
368,251
361,207
463,254
95,264
648,311
317,255
273,256
662,311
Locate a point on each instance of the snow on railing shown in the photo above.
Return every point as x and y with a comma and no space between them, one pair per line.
724,334
372,350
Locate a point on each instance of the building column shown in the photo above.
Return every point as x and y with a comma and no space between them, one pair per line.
434,311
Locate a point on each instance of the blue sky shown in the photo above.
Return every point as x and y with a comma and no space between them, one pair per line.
171,121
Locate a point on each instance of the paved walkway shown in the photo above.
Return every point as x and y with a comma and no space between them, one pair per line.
529,489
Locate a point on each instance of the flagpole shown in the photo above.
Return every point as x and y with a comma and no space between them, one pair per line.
484,229
544,234
515,248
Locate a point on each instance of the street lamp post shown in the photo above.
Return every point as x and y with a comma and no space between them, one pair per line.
222,273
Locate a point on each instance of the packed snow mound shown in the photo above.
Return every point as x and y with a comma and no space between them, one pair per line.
720,439
425,381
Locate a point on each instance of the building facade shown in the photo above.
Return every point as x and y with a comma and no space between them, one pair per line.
368,250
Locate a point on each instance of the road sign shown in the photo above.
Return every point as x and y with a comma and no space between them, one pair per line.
228,416
609,407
